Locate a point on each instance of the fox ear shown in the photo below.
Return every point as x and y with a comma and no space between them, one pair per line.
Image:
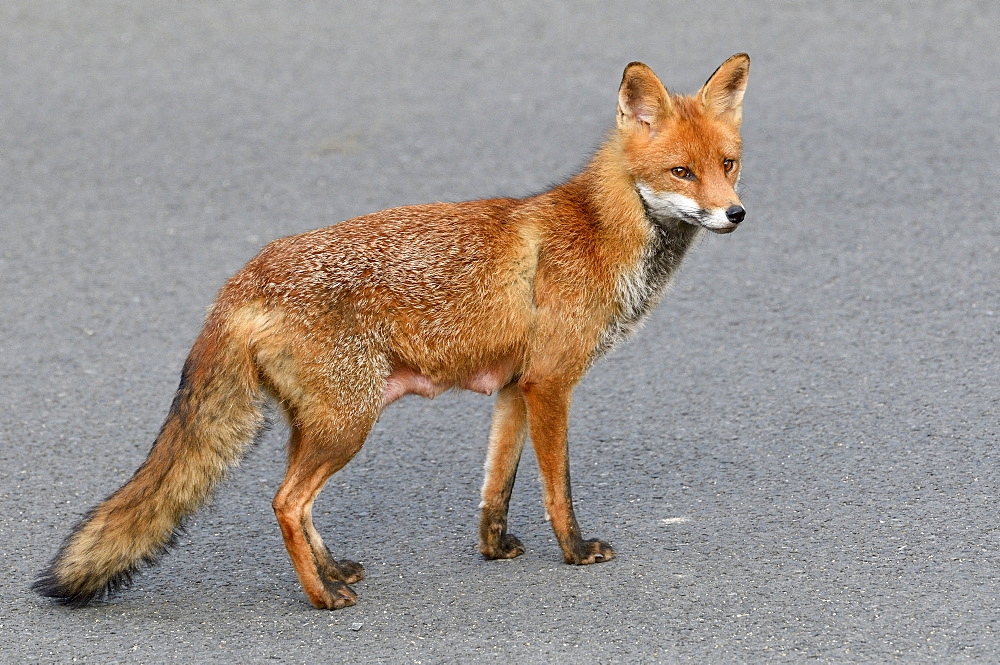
642,99
722,94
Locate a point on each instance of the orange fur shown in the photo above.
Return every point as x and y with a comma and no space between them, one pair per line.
518,296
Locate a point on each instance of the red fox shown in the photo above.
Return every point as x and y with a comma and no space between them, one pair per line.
514,296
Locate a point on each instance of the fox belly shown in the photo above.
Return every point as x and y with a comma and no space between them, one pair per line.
405,381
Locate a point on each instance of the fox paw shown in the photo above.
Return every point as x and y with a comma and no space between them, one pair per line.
345,571
589,551
507,547
335,596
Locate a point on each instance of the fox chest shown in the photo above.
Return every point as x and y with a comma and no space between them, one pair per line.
641,284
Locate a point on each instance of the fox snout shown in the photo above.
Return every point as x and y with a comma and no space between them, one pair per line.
722,221
663,206
734,214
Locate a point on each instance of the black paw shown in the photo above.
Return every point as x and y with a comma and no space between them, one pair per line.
506,546
345,571
585,552
335,596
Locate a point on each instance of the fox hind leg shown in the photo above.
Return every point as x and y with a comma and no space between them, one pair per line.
315,454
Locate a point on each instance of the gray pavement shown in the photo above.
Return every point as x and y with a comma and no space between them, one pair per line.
796,459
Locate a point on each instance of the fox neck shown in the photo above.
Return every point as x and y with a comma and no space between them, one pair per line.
643,250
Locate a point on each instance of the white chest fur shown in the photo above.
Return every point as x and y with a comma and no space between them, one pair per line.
641,284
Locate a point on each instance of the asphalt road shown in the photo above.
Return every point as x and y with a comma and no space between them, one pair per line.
796,459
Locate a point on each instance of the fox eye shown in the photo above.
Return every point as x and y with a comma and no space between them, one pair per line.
728,165
682,173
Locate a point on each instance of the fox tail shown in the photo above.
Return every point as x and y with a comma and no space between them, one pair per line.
214,417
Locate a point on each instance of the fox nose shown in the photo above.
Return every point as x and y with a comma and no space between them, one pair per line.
735,214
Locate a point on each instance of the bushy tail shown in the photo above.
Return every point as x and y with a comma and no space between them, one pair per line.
214,416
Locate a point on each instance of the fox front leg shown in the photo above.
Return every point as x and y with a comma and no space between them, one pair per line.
548,421
507,435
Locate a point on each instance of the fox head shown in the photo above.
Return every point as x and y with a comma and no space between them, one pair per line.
683,152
